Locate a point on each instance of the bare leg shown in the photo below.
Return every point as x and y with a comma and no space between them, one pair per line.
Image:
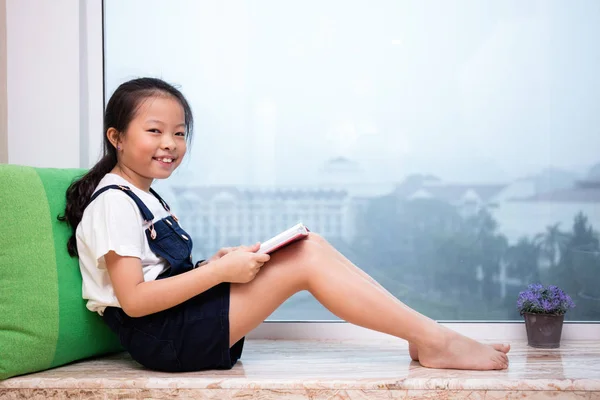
412,348
309,265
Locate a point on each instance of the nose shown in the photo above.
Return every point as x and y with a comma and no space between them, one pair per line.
168,143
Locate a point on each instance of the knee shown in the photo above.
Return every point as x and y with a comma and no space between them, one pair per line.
311,250
306,252
316,238
298,260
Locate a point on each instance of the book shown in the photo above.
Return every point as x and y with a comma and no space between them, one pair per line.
296,232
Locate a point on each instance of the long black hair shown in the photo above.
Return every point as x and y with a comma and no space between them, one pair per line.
120,111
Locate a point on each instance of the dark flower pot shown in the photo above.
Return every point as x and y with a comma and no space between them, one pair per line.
543,331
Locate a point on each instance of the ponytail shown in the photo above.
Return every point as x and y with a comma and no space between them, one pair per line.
79,195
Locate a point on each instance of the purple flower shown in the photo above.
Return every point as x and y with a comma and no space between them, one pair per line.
539,300
535,287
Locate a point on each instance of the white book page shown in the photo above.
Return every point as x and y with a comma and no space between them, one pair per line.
297,231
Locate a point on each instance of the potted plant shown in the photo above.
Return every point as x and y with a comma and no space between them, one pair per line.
544,311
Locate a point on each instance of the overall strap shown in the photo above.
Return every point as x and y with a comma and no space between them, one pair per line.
164,203
146,213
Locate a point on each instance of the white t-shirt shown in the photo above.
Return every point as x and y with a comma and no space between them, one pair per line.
114,222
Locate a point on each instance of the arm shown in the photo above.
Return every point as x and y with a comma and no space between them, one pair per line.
139,298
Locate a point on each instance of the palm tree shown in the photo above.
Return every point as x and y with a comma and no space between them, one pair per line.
583,233
488,249
522,259
552,243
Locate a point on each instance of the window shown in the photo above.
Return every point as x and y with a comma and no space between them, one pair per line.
464,134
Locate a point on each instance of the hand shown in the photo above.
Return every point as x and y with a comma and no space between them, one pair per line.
241,265
226,250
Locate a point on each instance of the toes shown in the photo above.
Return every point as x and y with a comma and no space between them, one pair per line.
501,361
505,348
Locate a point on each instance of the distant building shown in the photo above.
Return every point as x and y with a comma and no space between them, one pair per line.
228,216
531,214
467,198
340,172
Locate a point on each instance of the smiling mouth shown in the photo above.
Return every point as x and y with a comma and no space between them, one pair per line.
165,160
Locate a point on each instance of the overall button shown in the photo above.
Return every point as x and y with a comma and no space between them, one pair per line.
185,237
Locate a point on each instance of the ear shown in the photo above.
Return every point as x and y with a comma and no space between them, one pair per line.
113,136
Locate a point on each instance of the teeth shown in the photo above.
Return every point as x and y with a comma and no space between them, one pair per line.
167,160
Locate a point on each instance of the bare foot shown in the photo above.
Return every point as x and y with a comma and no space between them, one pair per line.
413,351
453,351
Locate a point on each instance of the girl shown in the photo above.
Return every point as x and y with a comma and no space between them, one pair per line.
173,315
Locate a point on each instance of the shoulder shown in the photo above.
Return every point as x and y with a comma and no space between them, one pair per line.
113,196
113,204
116,196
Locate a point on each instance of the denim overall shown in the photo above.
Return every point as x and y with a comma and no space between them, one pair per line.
191,336
165,237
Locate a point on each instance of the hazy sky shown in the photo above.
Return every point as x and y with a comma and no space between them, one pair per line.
468,90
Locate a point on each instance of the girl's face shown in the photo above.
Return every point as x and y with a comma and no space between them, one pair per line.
154,143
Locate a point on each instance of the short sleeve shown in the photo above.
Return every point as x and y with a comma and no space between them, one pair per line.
115,223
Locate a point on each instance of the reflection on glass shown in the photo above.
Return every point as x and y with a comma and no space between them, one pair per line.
450,149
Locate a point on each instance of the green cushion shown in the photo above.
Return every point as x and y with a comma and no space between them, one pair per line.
43,319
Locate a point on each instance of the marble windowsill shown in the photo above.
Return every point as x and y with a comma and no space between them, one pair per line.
321,369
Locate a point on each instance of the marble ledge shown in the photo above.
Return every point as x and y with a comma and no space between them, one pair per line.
318,394
328,369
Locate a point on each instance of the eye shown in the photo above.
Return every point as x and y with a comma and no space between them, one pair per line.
180,134
154,130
